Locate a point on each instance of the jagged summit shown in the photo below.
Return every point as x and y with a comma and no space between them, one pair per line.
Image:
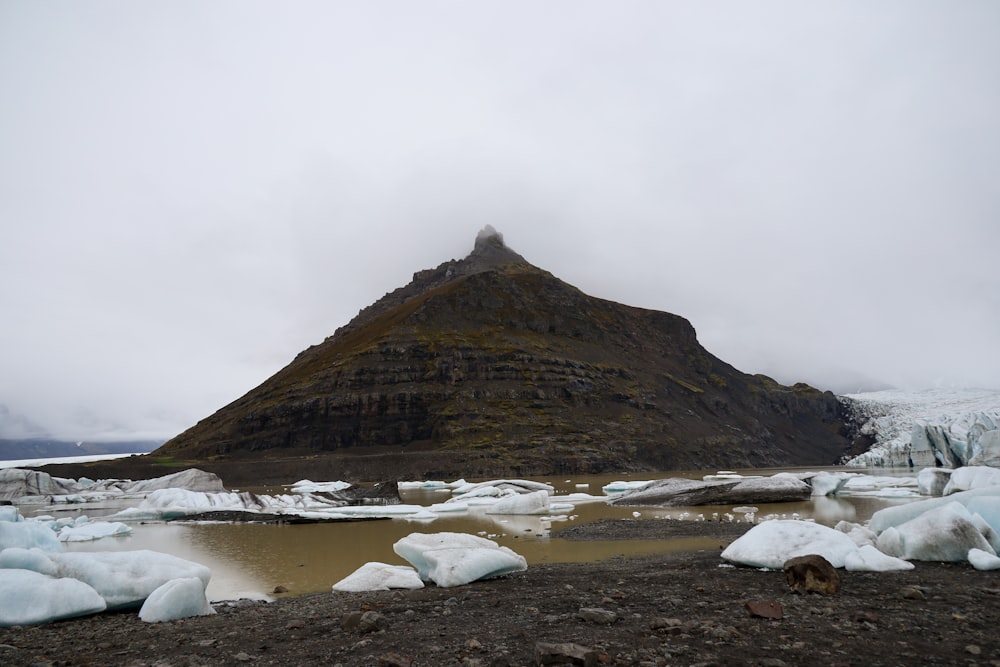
490,366
489,253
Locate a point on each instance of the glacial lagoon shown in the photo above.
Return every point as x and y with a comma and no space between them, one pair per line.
252,560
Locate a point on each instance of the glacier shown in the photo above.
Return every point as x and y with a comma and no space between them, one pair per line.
941,427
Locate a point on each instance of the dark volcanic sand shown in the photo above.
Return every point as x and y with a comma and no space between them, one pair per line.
675,609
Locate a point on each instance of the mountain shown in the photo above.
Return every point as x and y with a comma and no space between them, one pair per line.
489,366
42,448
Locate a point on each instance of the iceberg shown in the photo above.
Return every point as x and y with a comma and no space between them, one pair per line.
869,559
28,535
945,533
500,487
308,486
19,483
95,530
178,598
454,559
123,578
679,491
28,597
968,478
983,560
191,479
379,577
932,481
771,543
896,515
535,502
456,567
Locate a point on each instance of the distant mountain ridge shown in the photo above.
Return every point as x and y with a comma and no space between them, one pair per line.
45,448
489,365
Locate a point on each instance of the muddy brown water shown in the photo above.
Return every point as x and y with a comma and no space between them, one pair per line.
251,560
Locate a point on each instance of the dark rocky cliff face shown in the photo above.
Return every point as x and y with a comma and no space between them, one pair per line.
491,366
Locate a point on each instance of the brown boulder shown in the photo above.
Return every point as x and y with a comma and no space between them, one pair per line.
811,574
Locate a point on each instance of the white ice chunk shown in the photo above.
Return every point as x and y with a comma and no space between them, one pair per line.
28,597
931,481
449,507
307,486
10,513
379,577
178,598
456,567
93,531
869,559
28,535
828,483
453,559
771,543
413,547
191,479
983,560
501,487
124,578
942,534
36,560
859,534
898,514
971,477
987,507
536,502
620,486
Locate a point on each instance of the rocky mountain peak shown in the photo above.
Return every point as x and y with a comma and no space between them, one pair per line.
490,251
490,366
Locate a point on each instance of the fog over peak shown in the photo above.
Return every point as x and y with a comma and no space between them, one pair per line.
812,186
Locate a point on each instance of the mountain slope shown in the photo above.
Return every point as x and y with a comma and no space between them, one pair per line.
489,365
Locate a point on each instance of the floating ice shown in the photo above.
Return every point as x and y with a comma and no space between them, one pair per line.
828,483
431,485
93,531
28,597
379,577
177,503
177,598
621,486
679,491
191,479
28,535
771,543
501,487
945,533
898,514
308,486
536,502
932,481
971,477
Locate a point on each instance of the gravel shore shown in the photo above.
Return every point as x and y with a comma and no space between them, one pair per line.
672,609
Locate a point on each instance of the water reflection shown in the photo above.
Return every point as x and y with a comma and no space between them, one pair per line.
250,560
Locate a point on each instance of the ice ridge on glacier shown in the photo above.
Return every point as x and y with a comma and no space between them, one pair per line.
941,427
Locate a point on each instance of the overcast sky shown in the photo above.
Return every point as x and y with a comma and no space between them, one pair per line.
193,192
